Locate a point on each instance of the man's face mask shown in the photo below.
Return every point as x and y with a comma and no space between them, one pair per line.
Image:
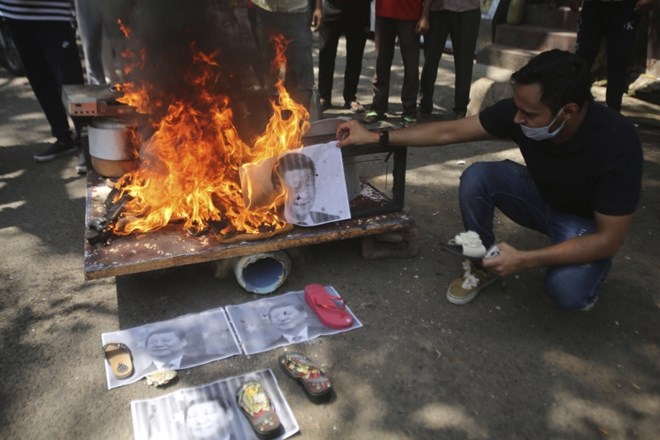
543,133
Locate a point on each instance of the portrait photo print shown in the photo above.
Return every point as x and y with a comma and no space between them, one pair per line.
174,344
208,412
312,179
277,321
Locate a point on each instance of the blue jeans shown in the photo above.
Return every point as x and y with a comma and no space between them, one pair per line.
508,186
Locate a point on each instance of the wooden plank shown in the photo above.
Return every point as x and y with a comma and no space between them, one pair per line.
170,247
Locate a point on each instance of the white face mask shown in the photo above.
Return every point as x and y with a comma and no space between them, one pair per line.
543,133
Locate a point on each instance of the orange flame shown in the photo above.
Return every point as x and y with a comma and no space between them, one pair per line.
124,28
189,168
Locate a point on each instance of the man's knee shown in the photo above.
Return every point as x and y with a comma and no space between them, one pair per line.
575,287
475,174
567,298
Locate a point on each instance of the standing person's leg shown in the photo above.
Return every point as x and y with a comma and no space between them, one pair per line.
90,26
112,14
622,21
44,84
266,26
300,64
590,31
329,34
385,36
409,45
464,32
64,60
355,24
434,45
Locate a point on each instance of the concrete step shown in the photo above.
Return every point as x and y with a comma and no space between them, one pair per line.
553,17
507,57
533,37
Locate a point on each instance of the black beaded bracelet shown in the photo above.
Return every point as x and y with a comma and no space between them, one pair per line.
384,138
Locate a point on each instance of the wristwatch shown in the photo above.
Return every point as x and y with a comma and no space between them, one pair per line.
384,138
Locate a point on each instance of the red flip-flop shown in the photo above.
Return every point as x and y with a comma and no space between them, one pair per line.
330,309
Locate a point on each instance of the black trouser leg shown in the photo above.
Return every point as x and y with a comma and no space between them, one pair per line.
434,45
50,56
385,37
409,45
464,29
329,34
617,22
356,38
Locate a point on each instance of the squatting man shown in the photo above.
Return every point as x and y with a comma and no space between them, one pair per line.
580,183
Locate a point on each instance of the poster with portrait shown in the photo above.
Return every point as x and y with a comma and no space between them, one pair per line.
281,320
209,411
311,179
174,344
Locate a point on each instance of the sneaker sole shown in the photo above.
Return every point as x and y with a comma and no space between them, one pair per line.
462,300
41,159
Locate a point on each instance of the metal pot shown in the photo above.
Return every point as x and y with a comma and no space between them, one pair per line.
111,146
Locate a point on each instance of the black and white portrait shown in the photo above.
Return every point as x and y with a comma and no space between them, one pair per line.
207,412
175,344
311,179
278,321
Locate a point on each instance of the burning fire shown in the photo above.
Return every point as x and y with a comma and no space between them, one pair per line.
188,171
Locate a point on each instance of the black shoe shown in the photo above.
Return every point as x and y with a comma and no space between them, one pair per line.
325,104
55,150
372,117
408,120
425,111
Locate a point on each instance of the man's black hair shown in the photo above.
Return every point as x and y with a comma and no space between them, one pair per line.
289,162
564,78
178,332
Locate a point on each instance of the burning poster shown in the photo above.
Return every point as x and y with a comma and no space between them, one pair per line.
183,342
311,181
208,411
281,320
193,76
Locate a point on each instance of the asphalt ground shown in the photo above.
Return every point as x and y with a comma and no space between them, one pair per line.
507,366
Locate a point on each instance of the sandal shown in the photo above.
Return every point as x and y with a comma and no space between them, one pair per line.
330,309
119,357
316,383
254,402
467,245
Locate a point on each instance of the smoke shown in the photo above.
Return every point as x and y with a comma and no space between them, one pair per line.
164,34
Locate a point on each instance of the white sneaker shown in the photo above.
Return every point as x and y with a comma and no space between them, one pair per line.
466,244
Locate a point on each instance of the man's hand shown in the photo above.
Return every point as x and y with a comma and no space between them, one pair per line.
422,25
317,16
610,232
508,262
354,133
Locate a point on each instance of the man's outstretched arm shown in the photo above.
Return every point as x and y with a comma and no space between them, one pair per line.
421,135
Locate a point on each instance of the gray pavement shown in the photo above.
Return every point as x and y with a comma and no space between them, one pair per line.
507,366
